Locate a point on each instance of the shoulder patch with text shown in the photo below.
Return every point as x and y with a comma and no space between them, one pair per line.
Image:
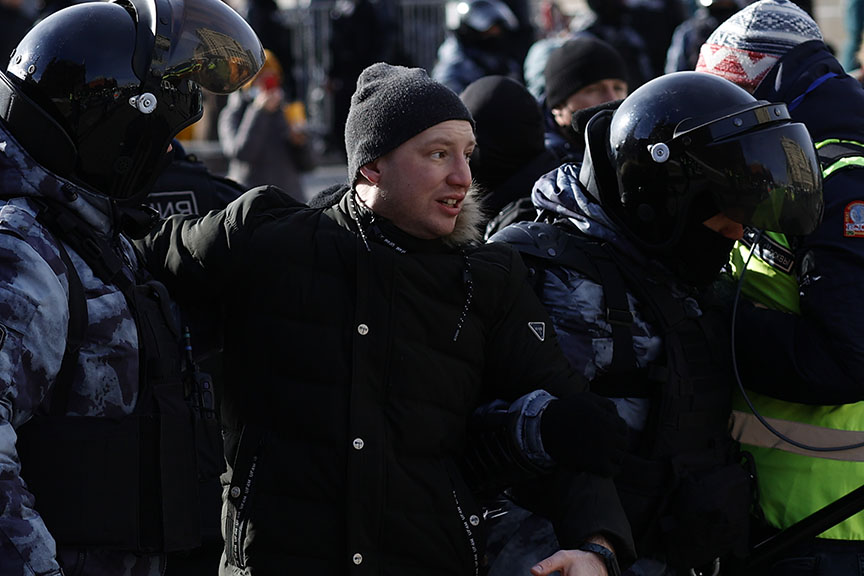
539,330
175,202
853,220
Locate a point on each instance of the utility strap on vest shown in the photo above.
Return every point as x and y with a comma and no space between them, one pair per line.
95,250
77,328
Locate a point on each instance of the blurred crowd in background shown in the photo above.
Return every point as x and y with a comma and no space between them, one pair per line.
317,49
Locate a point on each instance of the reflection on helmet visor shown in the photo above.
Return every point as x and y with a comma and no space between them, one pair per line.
215,47
768,178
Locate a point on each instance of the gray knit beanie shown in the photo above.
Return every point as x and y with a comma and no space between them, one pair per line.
745,47
391,105
578,63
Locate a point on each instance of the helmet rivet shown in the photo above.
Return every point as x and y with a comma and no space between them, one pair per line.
776,111
31,69
18,59
738,122
659,152
145,103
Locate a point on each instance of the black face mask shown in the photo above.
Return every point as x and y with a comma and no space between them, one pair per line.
493,44
699,255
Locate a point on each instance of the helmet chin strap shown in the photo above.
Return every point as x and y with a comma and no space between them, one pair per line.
37,132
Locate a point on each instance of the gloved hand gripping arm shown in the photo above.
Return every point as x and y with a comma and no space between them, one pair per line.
513,443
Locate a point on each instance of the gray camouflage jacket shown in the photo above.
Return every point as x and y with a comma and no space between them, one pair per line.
577,305
34,315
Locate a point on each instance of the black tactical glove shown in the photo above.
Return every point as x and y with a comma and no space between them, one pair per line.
584,432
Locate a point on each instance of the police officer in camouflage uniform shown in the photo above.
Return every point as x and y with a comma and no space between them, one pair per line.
624,255
90,421
477,45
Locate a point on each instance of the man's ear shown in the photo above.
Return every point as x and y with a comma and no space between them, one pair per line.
371,172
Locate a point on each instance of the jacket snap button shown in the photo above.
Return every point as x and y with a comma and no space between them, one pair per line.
474,520
358,558
358,443
363,329
235,491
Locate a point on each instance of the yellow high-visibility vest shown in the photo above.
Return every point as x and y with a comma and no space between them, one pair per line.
793,482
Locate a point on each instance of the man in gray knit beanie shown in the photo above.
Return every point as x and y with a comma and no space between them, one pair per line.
391,105
399,119
373,327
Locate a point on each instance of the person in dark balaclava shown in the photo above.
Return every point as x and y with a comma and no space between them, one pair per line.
510,154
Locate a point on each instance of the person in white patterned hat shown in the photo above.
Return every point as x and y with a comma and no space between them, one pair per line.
746,46
801,348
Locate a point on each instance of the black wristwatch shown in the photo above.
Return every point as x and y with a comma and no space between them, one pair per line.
606,554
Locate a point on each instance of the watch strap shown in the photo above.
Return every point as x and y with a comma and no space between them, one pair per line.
606,554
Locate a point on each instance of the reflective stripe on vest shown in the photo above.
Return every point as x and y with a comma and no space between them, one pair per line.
841,163
793,482
747,429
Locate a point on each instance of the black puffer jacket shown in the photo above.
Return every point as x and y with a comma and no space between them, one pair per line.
351,389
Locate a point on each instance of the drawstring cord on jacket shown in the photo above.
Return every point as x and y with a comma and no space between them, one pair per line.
355,213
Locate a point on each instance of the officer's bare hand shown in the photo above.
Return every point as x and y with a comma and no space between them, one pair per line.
571,563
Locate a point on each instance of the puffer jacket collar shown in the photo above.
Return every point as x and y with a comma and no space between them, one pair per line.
561,193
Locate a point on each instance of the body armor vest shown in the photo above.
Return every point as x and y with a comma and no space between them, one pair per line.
685,489
131,482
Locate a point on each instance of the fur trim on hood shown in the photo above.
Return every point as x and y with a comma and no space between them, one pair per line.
468,223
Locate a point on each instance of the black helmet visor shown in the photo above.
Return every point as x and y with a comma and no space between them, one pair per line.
204,41
767,176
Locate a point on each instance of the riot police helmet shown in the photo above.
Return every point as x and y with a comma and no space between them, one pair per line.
95,92
473,21
688,145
